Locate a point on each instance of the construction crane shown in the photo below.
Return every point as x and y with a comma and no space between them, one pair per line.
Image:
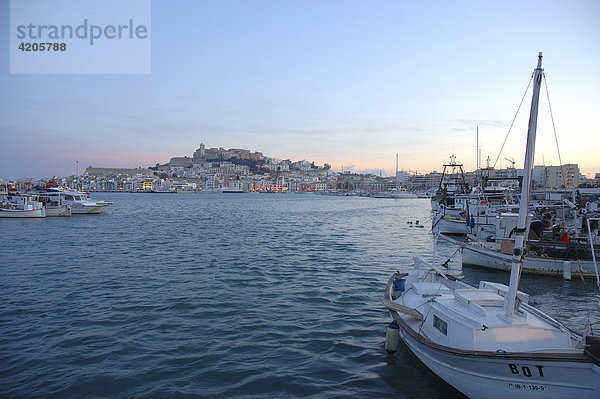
512,161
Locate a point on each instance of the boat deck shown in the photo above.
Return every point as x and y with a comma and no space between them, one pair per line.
475,316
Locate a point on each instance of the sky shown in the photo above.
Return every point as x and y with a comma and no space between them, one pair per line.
345,82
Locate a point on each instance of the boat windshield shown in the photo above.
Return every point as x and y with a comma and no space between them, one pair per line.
74,197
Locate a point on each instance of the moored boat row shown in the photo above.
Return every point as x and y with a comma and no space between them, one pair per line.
52,202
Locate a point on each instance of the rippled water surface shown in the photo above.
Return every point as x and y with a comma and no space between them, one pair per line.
223,295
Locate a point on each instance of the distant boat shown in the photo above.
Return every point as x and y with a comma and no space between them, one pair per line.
446,217
21,206
487,341
54,204
230,190
80,203
394,193
58,210
460,213
161,191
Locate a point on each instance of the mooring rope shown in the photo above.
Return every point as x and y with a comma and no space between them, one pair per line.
445,264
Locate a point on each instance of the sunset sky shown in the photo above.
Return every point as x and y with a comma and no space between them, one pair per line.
350,83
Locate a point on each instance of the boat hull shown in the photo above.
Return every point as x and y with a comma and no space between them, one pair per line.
449,226
77,201
89,209
493,375
395,195
20,213
475,256
58,211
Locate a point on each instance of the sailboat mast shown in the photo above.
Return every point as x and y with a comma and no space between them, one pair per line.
519,248
396,172
477,154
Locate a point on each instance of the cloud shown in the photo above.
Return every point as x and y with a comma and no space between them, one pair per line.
473,123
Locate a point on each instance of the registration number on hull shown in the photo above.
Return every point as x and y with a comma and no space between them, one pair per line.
527,387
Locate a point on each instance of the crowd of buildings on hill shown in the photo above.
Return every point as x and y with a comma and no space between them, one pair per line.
218,169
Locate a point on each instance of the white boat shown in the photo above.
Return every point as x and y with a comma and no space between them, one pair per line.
394,193
233,187
54,204
550,258
228,190
21,206
450,225
446,217
397,192
463,335
452,183
57,210
80,203
487,341
468,211
491,244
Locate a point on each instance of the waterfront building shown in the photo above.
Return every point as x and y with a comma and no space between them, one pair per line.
565,176
317,186
402,176
571,175
213,183
427,182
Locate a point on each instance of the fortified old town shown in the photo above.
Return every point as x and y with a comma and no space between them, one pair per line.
240,170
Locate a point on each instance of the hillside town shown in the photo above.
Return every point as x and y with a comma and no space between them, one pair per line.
240,170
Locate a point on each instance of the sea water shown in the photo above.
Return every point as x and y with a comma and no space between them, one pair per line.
224,295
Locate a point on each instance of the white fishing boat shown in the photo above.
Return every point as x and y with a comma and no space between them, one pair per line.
21,206
447,218
79,203
545,257
60,210
54,203
492,243
487,341
470,210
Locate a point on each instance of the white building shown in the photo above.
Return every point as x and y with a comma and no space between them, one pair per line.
565,176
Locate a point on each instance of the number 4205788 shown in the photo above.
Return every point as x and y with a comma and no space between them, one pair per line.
43,46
